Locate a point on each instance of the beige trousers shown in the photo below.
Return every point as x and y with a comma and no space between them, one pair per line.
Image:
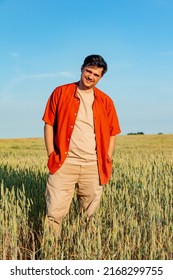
60,190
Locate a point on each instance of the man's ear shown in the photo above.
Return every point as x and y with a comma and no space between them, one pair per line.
82,67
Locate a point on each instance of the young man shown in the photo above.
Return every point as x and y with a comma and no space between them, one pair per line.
80,128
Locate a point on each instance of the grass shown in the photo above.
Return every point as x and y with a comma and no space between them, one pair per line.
134,220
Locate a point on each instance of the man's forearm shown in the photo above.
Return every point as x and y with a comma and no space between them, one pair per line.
48,138
111,146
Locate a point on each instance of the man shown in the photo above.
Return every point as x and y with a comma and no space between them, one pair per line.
80,128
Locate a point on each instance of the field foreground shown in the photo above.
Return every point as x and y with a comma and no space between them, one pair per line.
134,220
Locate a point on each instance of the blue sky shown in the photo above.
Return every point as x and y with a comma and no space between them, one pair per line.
43,44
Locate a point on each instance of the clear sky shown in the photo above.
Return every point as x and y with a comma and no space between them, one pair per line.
43,44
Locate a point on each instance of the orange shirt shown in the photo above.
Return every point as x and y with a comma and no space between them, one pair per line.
61,112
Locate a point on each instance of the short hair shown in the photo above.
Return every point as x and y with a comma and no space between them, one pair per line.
96,60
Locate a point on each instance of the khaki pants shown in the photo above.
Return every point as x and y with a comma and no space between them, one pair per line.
60,190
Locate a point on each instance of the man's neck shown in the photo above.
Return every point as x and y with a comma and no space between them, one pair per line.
84,88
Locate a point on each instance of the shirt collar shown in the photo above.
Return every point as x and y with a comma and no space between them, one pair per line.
94,90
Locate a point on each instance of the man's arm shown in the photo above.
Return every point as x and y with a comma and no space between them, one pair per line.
48,138
111,146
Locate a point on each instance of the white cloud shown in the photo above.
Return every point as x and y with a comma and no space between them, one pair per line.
14,54
46,75
165,53
13,83
160,2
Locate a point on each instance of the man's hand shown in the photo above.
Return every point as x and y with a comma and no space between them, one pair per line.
111,146
48,138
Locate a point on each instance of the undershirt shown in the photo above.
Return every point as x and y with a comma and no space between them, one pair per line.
82,149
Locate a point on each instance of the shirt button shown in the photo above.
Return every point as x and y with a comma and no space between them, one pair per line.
71,126
68,139
75,114
65,153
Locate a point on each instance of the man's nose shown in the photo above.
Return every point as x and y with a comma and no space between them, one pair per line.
90,76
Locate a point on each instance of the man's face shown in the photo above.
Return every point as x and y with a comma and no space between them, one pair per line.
90,76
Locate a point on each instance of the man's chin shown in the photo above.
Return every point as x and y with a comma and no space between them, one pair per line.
88,85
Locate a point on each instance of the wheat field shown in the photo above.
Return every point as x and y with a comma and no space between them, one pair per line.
134,220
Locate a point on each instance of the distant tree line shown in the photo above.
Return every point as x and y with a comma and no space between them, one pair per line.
140,133
136,133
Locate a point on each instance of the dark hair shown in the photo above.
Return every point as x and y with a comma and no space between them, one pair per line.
96,60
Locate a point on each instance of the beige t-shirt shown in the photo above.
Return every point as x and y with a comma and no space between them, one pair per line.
82,149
